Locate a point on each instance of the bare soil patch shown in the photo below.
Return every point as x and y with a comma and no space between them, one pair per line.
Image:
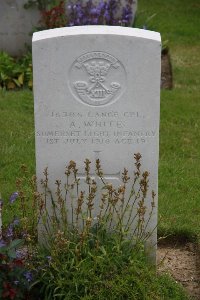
182,262
166,70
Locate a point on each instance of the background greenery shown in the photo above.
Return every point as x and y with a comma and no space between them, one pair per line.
179,169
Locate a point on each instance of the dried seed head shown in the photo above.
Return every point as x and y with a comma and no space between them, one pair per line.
153,199
71,167
72,164
18,182
58,183
80,203
125,177
88,222
98,168
45,172
137,156
87,163
67,172
121,189
109,186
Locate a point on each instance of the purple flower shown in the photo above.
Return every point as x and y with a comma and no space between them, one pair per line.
28,275
127,14
95,21
15,221
93,11
24,235
107,16
101,4
22,253
2,243
9,232
13,197
1,203
49,258
103,12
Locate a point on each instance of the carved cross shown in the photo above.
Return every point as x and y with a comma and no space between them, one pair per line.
110,176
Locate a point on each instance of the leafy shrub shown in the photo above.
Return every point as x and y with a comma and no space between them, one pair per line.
15,73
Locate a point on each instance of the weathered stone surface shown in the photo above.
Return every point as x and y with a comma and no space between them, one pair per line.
16,25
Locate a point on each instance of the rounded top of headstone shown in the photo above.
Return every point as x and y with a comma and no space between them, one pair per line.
96,30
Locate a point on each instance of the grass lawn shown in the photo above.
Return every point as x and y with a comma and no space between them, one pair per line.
179,169
16,137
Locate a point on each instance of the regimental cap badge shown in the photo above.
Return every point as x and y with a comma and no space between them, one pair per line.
102,78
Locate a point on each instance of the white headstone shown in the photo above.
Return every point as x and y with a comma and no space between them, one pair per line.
97,95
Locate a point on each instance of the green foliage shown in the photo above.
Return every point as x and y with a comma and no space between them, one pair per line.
178,23
41,4
16,140
10,248
15,73
179,206
107,272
